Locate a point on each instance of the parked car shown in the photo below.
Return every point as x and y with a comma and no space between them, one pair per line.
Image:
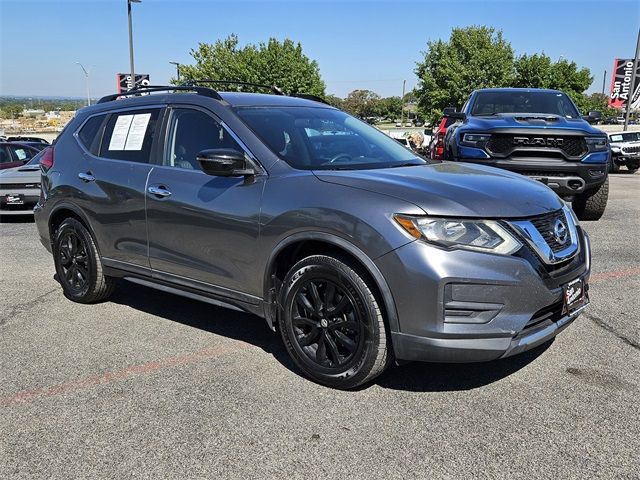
352,247
30,140
538,133
625,150
436,146
15,154
20,188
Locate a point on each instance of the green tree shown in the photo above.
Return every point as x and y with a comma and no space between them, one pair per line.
474,57
273,63
390,107
533,71
362,103
334,101
11,110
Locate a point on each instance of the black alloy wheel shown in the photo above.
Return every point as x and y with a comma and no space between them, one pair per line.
78,266
73,260
331,322
326,323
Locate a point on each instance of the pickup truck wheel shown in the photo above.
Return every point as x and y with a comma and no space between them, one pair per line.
591,204
78,266
331,323
633,168
613,166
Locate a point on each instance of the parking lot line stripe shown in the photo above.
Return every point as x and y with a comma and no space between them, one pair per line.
118,375
630,272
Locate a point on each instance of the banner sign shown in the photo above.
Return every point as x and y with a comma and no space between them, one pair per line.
123,81
621,90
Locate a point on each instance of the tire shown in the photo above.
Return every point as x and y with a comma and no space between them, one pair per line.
78,266
591,204
332,324
633,168
613,166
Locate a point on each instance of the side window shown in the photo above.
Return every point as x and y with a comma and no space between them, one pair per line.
190,132
91,133
5,157
22,154
129,135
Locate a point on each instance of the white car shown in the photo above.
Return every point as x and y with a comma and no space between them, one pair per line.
20,188
625,150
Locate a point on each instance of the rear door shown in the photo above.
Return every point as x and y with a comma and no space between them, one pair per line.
203,230
118,148
6,158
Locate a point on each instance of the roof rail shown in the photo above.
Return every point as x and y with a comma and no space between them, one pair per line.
204,91
275,90
309,96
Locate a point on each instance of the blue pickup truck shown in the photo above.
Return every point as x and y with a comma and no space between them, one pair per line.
537,133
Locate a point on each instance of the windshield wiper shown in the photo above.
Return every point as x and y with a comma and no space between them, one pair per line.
407,164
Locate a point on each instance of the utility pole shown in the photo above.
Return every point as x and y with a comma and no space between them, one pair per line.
133,73
404,84
604,80
86,75
177,70
633,81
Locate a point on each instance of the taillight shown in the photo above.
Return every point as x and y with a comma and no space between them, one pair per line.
47,158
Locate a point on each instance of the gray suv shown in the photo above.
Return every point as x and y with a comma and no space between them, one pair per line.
355,249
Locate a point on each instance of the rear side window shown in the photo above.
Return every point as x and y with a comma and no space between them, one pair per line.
129,135
91,133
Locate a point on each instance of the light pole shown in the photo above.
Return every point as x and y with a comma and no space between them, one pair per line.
86,75
177,70
404,84
133,73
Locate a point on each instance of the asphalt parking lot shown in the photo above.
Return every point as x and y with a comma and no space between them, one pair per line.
155,386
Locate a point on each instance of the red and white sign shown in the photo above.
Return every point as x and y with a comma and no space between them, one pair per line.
621,90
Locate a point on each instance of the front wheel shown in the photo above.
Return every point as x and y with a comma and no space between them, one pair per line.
78,265
331,323
590,205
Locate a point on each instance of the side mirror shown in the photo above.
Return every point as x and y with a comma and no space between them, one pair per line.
224,162
448,111
457,115
593,117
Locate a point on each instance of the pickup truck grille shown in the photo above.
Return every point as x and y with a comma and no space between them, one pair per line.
633,149
504,144
545,225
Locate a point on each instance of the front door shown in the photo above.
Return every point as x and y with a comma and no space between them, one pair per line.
202,229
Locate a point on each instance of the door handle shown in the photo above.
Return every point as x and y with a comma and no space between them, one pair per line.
86,177
159,191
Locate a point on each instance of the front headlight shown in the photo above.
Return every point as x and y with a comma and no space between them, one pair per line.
475,139
480,235
597,144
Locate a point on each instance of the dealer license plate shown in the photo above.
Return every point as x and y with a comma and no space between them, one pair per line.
574,295
14,199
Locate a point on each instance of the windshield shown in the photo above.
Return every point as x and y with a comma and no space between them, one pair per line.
310,138
554,103
625,137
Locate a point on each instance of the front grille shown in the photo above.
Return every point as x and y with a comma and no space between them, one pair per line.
552,312
631,149
571,146
545,225
18,186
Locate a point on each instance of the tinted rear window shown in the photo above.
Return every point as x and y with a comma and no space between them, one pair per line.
91,133
129,135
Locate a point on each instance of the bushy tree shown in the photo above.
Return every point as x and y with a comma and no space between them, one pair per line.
473,57
280,63
362,103
390,107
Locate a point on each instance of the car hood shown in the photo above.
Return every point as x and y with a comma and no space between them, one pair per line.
20,175
529,121
454,189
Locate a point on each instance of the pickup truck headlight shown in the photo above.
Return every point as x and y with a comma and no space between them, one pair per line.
480,235
477,140
597,144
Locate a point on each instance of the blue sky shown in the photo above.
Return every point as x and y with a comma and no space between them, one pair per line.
358,44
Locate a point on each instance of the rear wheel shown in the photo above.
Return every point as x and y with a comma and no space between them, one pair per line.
591,204
78,266
331,323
